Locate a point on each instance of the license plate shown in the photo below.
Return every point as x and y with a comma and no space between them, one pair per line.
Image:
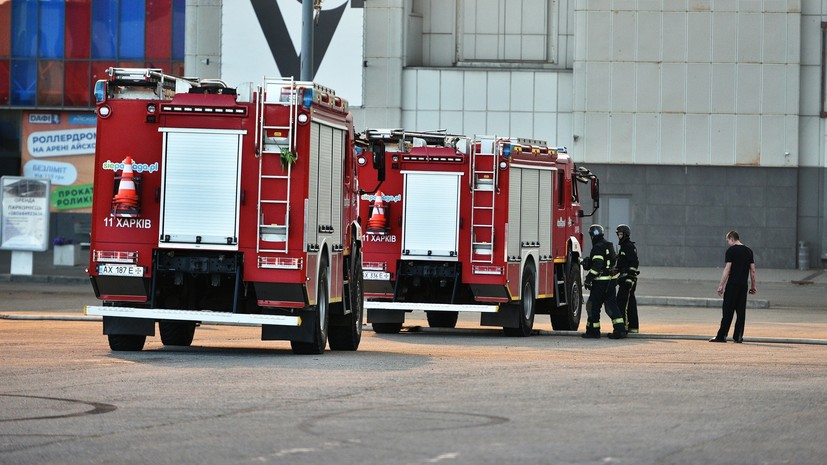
121,270
376,275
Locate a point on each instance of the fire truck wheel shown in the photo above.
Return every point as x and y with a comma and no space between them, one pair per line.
348,336
322,318
177,333
567,317
387,328
525,306
126,342
442,319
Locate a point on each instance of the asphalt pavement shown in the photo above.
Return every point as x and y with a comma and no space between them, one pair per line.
659,286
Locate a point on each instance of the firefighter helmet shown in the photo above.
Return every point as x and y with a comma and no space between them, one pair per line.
625,229
595,231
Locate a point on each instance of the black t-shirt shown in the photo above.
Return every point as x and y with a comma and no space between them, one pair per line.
741,257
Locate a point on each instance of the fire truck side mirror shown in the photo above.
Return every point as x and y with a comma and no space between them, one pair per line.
378,150
595,193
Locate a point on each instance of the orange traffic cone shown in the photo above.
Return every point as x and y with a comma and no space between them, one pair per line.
125,202
378,222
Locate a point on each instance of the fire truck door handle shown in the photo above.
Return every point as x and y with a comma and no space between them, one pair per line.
400,221
158,194
243,196
460,222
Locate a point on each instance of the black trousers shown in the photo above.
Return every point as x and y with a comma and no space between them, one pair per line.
735,302
602,293
627,303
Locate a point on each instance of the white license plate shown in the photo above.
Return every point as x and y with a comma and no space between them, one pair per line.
376,275
121,270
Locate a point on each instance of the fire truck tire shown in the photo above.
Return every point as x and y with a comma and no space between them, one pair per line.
177,333
126,342
526,307
322,319
387,328
567,317
348,336
442,319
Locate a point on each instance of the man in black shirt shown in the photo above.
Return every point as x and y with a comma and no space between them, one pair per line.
739,269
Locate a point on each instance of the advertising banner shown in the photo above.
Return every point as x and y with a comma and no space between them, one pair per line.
24,216
60,146
263,38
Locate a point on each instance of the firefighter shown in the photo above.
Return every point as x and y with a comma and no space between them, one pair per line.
627,263
601,281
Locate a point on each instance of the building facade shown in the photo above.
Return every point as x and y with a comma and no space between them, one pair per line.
51,54
700,116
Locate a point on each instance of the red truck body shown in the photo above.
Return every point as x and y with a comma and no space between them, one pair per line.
225,205
486,224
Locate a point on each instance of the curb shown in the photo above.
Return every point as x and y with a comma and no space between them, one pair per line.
43,279
666,301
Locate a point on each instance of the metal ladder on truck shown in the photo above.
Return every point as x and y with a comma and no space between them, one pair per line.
483,195
272,141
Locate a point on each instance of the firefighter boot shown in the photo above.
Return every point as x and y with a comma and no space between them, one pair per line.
619,329
592,330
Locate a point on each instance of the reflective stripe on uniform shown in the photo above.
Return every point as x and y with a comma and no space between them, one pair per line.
589,324
618,321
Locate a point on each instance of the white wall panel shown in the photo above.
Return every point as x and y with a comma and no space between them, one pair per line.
623,36
427,89
623,86
725,37
747,145
673,93
545,91
647,148
774,36
749,37
522,91
674,38
722,139
450,90
748,89
649,30
697,139
497,90
773,90
474,92
723,87
773,139
673,139
698,88
699,37
598,86
648,87
623,131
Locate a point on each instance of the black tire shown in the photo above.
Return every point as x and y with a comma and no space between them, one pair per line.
349,336
126,342
526,307
442,319
322,312
177,333
387,328
567,317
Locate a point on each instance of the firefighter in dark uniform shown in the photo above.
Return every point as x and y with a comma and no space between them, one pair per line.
627,264
602,281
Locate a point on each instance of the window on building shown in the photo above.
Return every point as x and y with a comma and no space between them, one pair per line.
505,31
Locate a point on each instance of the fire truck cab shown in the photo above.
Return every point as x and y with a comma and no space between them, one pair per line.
471,224
225,205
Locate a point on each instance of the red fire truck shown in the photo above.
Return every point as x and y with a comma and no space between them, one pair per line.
487,224
221,205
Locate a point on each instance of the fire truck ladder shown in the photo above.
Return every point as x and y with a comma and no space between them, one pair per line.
274,142
483,194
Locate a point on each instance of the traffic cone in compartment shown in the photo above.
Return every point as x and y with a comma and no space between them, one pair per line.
125,202
378,221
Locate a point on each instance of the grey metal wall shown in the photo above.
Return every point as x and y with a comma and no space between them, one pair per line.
679,215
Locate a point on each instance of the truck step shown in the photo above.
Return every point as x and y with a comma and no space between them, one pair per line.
204,316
